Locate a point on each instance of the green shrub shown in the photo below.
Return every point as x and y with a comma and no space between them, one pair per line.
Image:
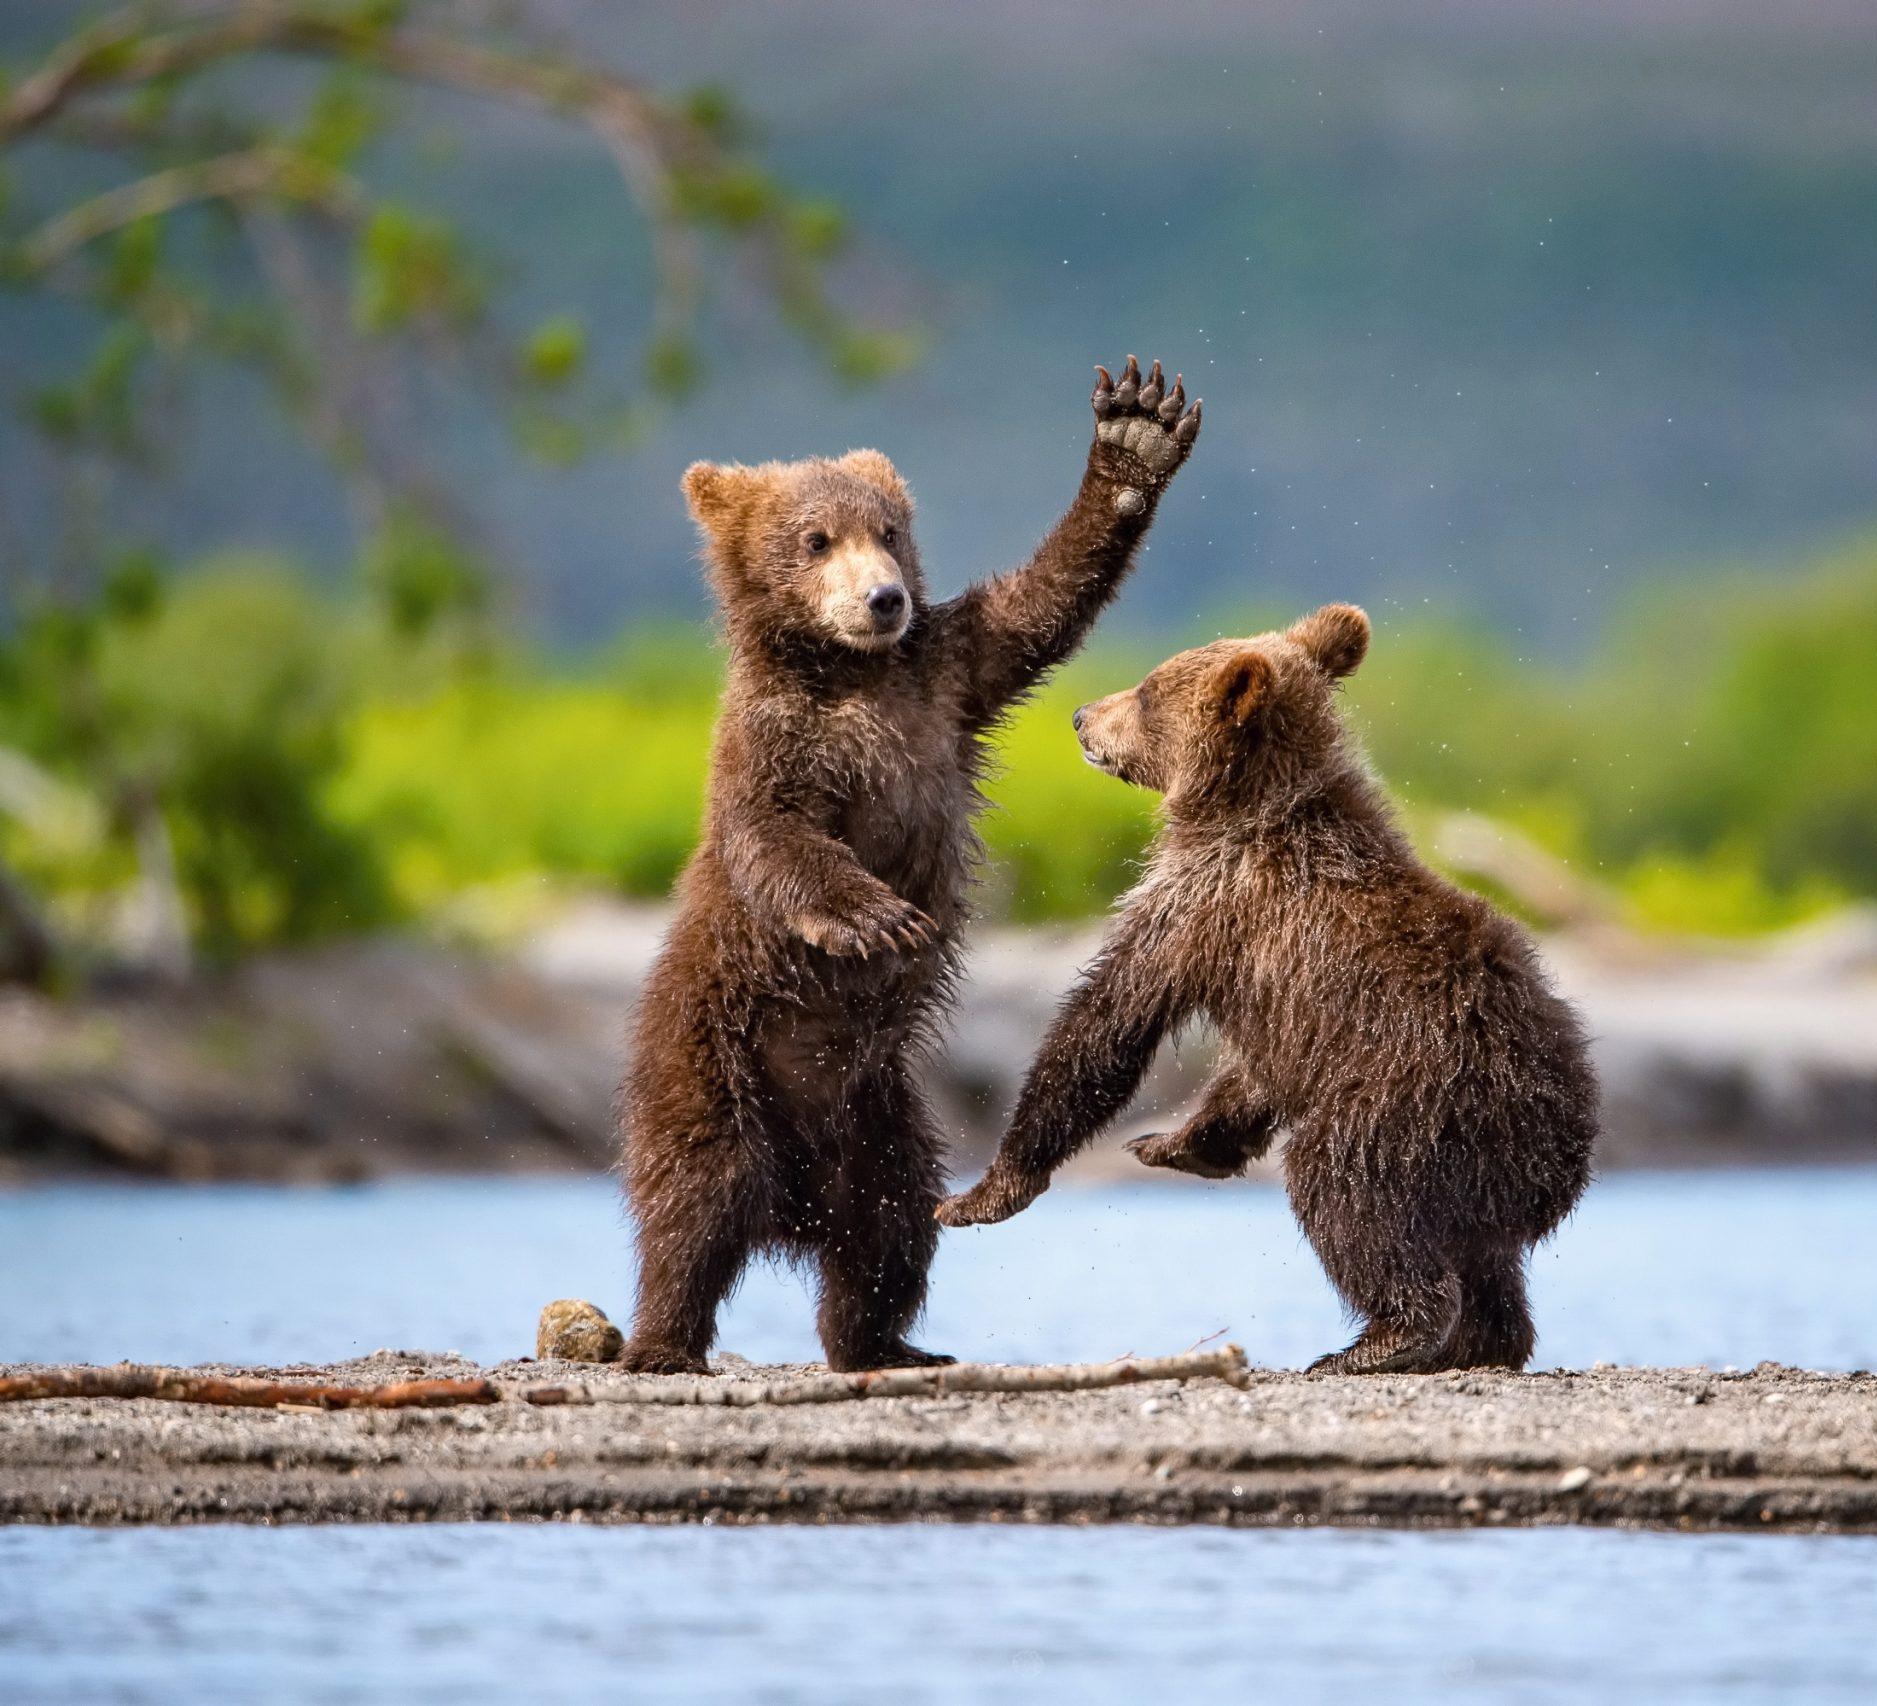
324,765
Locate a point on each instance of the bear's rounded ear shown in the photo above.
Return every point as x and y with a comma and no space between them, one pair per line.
1335,637
715,492
874,468
1241,685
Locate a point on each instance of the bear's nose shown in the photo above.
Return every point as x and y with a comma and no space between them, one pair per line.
887,602
1081,716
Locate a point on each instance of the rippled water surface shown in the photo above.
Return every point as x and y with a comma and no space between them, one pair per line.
933,1614
1655,1268
1720,1268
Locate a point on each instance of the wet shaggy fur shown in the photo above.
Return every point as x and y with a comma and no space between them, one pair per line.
1438,1097
771,1103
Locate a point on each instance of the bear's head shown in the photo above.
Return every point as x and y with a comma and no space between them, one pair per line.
1222,723
822,547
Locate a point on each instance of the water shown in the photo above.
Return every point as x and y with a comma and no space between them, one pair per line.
933,1614
1668,1268
1709,1268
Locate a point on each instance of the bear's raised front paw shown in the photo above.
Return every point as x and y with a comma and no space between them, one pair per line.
648,1356
1143,431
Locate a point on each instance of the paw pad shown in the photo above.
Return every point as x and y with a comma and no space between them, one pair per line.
1145,419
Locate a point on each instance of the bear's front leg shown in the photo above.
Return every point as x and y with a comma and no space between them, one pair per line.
1091,1063
1002,1192
1009,631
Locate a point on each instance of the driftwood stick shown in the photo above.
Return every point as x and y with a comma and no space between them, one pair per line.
1227,1364
179,1386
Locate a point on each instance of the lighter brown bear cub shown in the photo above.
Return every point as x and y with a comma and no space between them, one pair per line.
1437,1093
771,1103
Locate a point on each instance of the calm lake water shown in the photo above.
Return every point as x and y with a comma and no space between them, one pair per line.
1717,1268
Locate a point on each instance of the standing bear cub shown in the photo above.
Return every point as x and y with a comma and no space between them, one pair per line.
1439,1100
771,1103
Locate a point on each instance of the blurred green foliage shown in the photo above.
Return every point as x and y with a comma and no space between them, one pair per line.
326,764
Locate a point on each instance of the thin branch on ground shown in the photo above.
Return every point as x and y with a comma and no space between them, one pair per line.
1227,1364
180,1386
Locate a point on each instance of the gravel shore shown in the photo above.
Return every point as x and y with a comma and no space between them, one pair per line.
1770,1449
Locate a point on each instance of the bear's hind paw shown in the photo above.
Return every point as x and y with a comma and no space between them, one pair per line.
1169,1149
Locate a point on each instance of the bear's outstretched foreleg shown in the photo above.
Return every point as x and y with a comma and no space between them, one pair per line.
1090,1064
1009,631
1232,1127
877,1236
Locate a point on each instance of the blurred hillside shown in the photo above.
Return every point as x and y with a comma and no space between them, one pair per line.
1498,309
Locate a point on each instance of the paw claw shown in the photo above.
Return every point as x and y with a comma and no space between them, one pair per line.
1188,429
1103,399
1151,392
1129,388
1174,401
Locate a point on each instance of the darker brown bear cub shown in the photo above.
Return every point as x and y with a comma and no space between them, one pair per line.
771,1102
1439,1101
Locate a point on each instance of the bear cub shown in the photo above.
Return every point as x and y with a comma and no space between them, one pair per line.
1437,1093
772,1102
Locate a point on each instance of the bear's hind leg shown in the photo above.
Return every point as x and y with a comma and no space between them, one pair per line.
1386,1264
878,1236
698,1205
1406,1333
1231,1127
1495,1329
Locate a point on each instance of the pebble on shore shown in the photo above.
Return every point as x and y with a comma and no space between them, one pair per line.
573,1330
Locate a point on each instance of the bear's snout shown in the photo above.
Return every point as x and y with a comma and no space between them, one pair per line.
886,604
863,596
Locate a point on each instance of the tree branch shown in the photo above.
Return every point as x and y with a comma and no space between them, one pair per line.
228,177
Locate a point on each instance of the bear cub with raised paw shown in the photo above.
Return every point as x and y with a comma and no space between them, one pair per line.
771,1104
1437,1093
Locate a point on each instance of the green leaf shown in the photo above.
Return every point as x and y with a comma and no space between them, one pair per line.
818,229
342,122
734,196
422,574
714,110
136,254
865,355
550,438
556,350
411,267
133,587
673,368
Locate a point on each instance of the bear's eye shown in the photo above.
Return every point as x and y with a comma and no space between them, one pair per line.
889,536
817,543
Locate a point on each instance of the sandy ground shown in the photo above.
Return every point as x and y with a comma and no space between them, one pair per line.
1770,1449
